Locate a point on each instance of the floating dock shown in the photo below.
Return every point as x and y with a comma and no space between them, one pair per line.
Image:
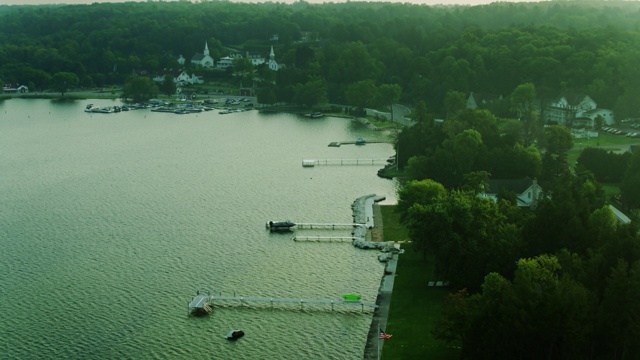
273,300
325,238
354,142
199,305
327,226
203,304
343,162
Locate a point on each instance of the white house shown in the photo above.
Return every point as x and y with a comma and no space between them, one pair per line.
180,78
227,61
587,118
566,108
11,90
527,191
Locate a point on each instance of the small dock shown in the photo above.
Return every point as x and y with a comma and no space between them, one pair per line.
318,162
203,304
354,142
199,305
244,300
341,239
327,226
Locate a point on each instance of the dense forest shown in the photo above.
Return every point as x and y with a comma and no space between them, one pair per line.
588,47
558,281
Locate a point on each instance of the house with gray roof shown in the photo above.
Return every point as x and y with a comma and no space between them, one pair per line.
527,190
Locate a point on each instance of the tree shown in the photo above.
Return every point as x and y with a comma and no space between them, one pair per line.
362,93
418,192
556,141
243,69
311,93
63,81
139,89
606,166
389,94
629,186
168,86
543,314
619,314
266,95
454,101
522,102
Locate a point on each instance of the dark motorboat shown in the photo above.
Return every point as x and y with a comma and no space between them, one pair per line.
280,225
234,335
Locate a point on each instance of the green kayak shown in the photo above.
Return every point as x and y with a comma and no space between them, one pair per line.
351,297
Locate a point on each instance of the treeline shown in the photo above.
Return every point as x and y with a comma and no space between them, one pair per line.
560,281
587,47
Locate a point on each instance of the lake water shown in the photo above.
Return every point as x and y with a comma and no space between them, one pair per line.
110,222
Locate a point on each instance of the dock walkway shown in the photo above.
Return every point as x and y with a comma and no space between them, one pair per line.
202,301
327,226
342,162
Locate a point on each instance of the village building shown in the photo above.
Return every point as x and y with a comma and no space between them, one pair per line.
180,78
203,59
481,100
15,90
227,61
527,190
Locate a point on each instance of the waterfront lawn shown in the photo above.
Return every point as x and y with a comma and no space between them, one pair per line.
415,307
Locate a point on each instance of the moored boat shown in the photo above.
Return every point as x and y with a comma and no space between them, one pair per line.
280,225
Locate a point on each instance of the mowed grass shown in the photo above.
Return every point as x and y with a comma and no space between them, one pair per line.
415,307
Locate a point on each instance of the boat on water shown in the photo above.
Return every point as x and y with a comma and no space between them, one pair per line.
280,225
234,334
314,115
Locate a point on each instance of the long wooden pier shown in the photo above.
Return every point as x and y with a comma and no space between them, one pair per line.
325,238
203,302
318,162
329,226
351,142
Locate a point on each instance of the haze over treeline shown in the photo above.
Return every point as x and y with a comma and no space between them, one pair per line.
591,48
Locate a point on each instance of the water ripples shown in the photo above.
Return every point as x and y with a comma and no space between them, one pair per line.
111,223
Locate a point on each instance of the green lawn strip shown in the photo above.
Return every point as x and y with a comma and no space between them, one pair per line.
415,307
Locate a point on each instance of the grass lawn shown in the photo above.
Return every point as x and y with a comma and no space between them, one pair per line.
415,307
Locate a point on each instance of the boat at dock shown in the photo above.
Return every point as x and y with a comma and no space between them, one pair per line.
280,225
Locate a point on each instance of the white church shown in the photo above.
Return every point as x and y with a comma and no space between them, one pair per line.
203,59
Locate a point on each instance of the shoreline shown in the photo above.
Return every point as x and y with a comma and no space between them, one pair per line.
373,345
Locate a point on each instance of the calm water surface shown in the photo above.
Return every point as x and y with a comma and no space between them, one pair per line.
110,222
